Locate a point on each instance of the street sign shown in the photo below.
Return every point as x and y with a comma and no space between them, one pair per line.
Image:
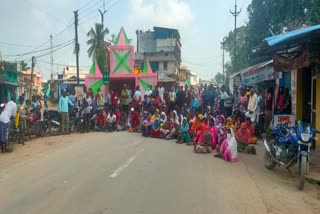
106,78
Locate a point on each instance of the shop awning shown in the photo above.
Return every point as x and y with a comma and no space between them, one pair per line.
8,83
257,73
292,35
286,41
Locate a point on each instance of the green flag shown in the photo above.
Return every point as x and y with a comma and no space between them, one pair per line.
145,68
144,84
93,68
96,86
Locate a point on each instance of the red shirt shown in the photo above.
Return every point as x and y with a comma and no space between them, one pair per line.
100,120
281,101
114,99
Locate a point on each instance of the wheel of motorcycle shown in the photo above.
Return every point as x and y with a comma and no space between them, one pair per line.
39,129
302,172
268,162
9,146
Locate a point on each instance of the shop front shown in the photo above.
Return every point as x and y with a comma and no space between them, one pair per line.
296,58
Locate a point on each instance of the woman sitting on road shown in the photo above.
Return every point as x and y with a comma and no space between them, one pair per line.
244,140
184,136
146,126
100,122
123,121
205,141
228,150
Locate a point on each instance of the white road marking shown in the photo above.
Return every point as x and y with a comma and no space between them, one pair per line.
124,165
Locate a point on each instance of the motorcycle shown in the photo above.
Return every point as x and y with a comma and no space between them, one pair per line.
13,136
36,125
52,119
259,128
290,146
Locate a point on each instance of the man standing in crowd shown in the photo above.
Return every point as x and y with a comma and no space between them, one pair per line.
172,99
9,111
64,101
252,106
125,97
99,98
161,92
223,97
181,96
86,103
205,96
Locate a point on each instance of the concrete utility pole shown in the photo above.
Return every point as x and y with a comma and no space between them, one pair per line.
235,13
223,60
77,43
51,47
33,63
102,13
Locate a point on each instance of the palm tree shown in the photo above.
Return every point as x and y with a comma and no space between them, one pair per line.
24,66
99,48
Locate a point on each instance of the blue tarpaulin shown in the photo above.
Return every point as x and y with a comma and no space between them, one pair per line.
275,40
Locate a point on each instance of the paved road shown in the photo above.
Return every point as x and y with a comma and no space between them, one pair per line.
119,173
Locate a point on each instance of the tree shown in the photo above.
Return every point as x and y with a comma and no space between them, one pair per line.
268,18
243,50
99,48
219,78
24,66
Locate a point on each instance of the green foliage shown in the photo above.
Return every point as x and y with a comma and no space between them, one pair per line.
267,18
99,48
24,66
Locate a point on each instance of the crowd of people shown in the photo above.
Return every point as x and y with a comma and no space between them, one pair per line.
208,118
201,117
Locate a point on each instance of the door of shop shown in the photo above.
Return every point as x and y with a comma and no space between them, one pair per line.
313,99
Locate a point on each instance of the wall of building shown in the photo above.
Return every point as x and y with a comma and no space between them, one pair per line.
145,42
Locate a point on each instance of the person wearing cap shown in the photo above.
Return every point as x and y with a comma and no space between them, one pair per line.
9,112
134,120
155,115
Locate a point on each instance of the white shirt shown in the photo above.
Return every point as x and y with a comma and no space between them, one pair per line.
9,111
223,95
161,91
172,96
87,109
112,118
149,92
137,95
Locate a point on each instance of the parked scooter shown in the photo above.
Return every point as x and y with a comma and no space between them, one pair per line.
290,146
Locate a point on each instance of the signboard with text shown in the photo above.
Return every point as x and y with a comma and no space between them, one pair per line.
289,119
257,74
106,78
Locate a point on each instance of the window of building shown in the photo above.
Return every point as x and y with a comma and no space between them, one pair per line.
154,66
165,65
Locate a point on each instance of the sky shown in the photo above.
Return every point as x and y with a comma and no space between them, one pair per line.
27,24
